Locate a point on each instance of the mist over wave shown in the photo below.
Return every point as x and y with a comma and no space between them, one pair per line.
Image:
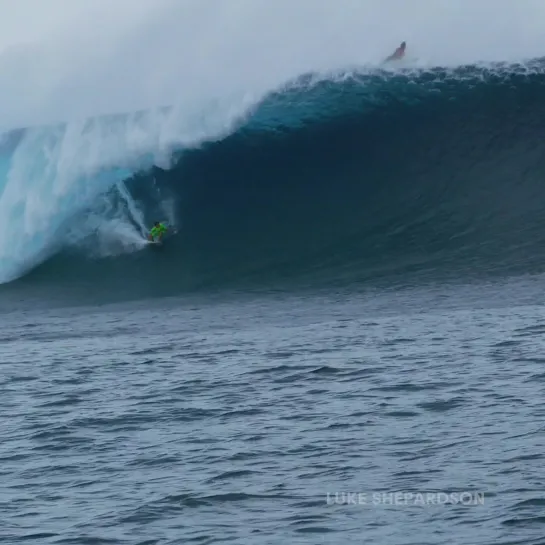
81,60
275,140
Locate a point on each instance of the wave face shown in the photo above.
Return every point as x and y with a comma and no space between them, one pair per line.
353,178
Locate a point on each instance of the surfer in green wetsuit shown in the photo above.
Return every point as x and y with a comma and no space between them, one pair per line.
157,232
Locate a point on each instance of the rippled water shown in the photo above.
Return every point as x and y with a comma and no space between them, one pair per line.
256,420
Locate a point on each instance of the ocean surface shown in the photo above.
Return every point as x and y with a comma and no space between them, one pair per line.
341,342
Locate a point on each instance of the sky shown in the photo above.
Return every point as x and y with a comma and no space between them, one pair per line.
36,21
64,59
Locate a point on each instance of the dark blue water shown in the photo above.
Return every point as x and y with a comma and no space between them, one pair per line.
342,343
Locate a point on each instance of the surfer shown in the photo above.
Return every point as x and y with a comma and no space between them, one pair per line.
398,54
157,231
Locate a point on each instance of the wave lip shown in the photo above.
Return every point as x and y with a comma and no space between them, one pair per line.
61,185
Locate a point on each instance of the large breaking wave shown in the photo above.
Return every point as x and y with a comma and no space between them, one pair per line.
355,176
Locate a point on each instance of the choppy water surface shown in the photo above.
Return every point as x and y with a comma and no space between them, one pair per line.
255,420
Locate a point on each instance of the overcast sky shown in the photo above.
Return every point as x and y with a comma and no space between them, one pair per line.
37,20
